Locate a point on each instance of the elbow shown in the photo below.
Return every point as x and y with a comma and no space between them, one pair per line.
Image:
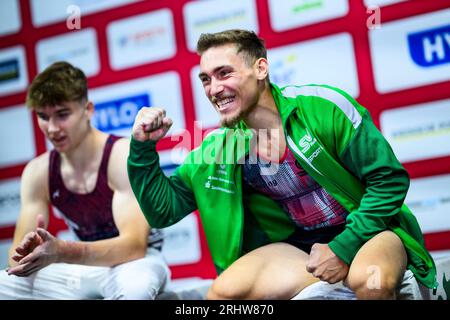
137,250
394,180
407,180
402,180
140,251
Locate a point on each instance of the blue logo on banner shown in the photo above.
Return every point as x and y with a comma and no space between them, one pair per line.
120,113
430,48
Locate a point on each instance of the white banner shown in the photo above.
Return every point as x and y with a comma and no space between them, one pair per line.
418,132
10,21
182,242
289,14
429,200
16,136
141,39
44,12
311,62
411,52
79,48
9,201
217,15
116,105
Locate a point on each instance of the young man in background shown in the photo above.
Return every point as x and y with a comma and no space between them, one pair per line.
85,178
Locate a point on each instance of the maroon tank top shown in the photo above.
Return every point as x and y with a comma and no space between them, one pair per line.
88,215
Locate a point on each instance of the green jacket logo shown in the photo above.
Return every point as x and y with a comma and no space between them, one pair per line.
306,142
220,184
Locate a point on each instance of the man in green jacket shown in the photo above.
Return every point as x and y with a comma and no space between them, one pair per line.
297,185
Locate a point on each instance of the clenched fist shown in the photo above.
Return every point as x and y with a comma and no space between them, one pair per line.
151,124
324,264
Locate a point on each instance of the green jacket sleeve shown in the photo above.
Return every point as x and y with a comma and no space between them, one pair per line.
370,158
163,200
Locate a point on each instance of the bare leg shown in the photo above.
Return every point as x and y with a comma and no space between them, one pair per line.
378,267
274,271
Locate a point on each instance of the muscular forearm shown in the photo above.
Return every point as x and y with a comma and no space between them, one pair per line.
107,252
71,252
164,201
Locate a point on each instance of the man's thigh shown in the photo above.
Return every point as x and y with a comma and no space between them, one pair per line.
274,271
140,279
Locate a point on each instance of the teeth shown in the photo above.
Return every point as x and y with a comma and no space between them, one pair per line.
222,103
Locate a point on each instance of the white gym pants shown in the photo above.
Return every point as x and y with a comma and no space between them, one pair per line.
140,279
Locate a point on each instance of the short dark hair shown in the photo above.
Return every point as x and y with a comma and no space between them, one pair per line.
60,82
246,42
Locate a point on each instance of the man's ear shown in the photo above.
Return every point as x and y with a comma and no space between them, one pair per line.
90,108
262,68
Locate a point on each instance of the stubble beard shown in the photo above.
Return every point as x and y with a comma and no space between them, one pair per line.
231,122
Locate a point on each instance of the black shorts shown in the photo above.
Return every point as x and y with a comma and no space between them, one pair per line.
304,240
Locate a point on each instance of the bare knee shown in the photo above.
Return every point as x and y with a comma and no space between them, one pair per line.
378,267
225,288
373,287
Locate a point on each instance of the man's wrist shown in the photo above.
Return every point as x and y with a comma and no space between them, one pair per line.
60,251
70,252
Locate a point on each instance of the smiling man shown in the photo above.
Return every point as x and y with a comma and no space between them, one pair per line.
303,186
85,178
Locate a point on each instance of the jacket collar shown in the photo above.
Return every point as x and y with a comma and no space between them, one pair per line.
285,106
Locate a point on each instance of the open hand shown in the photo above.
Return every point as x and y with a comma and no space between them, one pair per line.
30,241
37,250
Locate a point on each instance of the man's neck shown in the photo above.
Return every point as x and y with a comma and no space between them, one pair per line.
265,114
83,155
266,121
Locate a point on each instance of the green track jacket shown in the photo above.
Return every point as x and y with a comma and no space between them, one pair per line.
335,141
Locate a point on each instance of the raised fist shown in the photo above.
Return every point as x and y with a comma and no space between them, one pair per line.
151,124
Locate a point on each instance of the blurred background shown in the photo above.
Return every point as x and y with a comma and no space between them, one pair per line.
393,56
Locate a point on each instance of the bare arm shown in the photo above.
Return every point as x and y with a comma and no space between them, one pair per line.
130,244
33,202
